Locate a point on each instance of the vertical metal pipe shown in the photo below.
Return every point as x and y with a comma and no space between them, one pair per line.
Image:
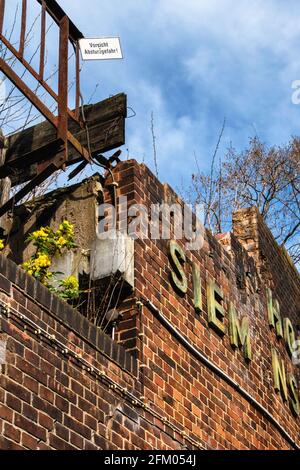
63,80
2,10
77,102
23,27
43,39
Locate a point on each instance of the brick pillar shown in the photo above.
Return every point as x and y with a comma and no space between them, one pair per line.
245,224
274,265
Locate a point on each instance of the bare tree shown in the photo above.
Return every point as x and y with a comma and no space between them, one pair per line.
154,144
261,176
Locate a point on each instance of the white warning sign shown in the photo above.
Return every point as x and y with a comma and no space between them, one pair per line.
101,49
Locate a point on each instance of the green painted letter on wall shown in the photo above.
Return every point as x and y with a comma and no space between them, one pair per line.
197,288
215,308
177,258
289,335
274,316
293,395
239,332
279,376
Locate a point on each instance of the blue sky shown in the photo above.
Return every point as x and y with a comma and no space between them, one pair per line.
192,63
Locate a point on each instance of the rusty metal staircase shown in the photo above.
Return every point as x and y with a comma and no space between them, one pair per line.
56,152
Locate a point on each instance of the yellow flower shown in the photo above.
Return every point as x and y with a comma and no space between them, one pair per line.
69,288
61,241
70,283
42,233
66,228
43,261
50,244
1,245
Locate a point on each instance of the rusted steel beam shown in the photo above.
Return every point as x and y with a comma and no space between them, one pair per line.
23,27
77,146
63,81
39,163
2,10
77,97
32,97
33,72
43,39
28,93
57,13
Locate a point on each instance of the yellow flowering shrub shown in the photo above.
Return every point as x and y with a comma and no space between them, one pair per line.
53,242
50,244
69,287
38,267
1,245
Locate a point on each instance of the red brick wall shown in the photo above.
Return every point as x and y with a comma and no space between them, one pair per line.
63,383
272,261
208,408
157,392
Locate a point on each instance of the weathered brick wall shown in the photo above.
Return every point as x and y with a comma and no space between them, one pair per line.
175,382
271,260
188,392
63,383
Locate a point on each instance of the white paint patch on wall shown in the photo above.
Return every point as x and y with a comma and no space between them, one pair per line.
2,352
